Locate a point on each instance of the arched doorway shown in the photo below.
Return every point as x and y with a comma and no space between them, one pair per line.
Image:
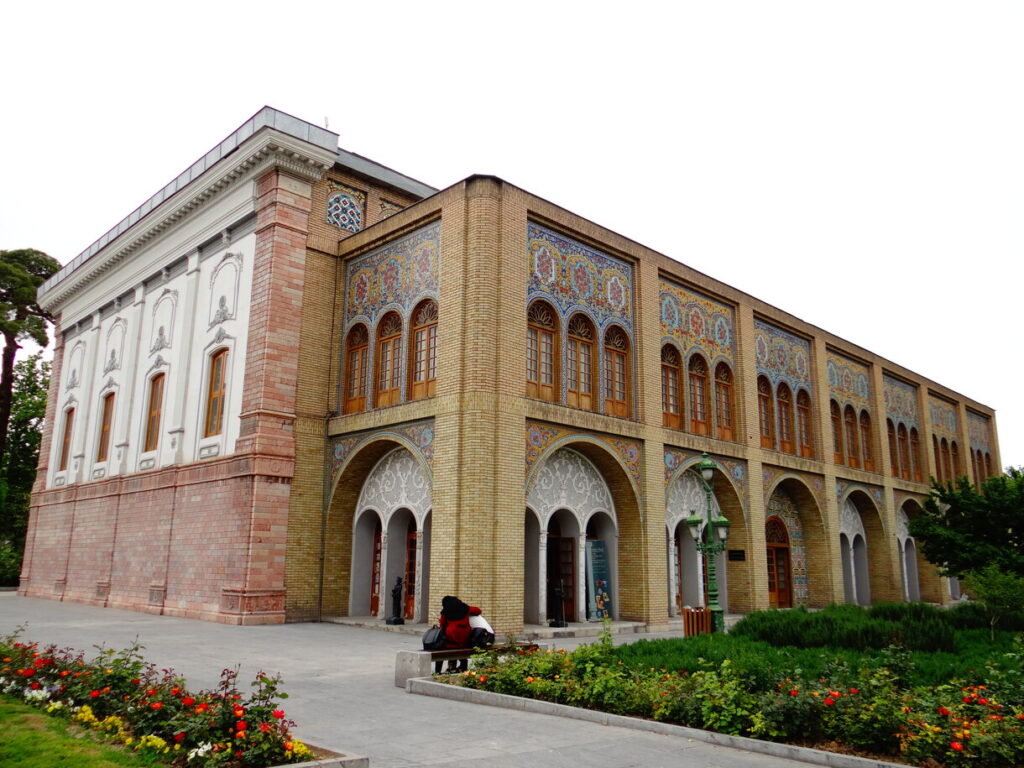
908,558
854,555
367,577
571,549
810,581
780,572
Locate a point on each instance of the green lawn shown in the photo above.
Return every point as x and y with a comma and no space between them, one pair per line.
30,738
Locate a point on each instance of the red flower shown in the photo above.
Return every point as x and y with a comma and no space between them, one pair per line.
794,692
203,706
265,727
829,701
239,711
95,694
288,746
983,701
136,681
188,701
967,699
241,725
175,691
240,735
956,746
278,713
157,705
854,691
151,692
179,737
482,679
29,672
36,686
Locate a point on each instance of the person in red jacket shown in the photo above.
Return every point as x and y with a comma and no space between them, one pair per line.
454,621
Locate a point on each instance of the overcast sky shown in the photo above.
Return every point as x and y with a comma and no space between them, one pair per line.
859,164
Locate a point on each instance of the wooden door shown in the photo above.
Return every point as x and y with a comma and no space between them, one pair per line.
780,589
562,575
410,571
375,571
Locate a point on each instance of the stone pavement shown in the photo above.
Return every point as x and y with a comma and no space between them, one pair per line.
341,683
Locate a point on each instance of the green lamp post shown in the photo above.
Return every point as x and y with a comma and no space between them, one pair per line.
718,532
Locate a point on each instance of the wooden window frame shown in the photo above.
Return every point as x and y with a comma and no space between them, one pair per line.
804,425
387,379
65,441
106,421
671,387
216,393
954,452
766,412
866,441
543,344
580,362
787,435
903,440
915,455
837,432
618,374
423,351
947,464
357,352
894,453
698,386
725,403
938,458
154,412
851,430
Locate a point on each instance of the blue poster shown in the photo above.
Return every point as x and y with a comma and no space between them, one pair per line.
599,585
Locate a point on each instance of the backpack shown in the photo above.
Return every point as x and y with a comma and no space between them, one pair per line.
480,638
433,639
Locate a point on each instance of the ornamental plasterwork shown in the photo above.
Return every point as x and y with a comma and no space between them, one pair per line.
685,495
163,320
816,484
568,480
539,437
418,434
387,208
902,527
115,345
842,487
75,361
224,281
850,521
396,482
736,470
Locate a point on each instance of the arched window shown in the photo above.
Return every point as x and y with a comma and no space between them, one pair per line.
988,465
894,453
837,432
357,349
723,402
865,441
65,442
805,432
154,411
979,467
852,449
938,458
423,353
785,400
616,372
580,362
542,352
106,420
955,455
389,360
901,435
947,464
216,394
698,377
765,412
915,455
671,374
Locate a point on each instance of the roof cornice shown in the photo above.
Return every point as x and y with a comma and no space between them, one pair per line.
270,139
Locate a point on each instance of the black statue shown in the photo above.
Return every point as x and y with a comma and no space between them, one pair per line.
396,603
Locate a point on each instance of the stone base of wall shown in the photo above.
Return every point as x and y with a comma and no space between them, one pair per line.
203,541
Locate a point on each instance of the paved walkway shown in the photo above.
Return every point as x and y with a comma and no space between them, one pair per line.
341,682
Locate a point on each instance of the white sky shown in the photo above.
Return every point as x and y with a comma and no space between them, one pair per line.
858,164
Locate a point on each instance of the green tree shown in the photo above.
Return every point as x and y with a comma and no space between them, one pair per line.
965,529
21,318
1001,592
19,460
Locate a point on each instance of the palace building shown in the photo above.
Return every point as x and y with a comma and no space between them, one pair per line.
293,377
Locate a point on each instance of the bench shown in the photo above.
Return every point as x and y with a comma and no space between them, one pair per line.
410,664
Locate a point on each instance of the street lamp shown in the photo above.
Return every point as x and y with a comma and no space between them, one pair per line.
718,532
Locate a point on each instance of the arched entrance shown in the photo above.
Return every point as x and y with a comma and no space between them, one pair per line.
810,575
854,555
390,542
780,572
908,558
571,546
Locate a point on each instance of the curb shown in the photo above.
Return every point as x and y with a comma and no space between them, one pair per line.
425,686
341,761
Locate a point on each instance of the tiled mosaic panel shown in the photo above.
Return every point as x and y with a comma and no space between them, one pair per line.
842,487
816,484
388,208
395,275
849,382
696,322
781,356
783,506
419,434
943,418
574,276
346,207
900,402
540,436
736,470
977,428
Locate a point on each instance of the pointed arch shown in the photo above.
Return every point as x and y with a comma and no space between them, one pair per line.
794,503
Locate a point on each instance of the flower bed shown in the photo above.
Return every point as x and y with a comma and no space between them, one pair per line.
873,710
150,710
